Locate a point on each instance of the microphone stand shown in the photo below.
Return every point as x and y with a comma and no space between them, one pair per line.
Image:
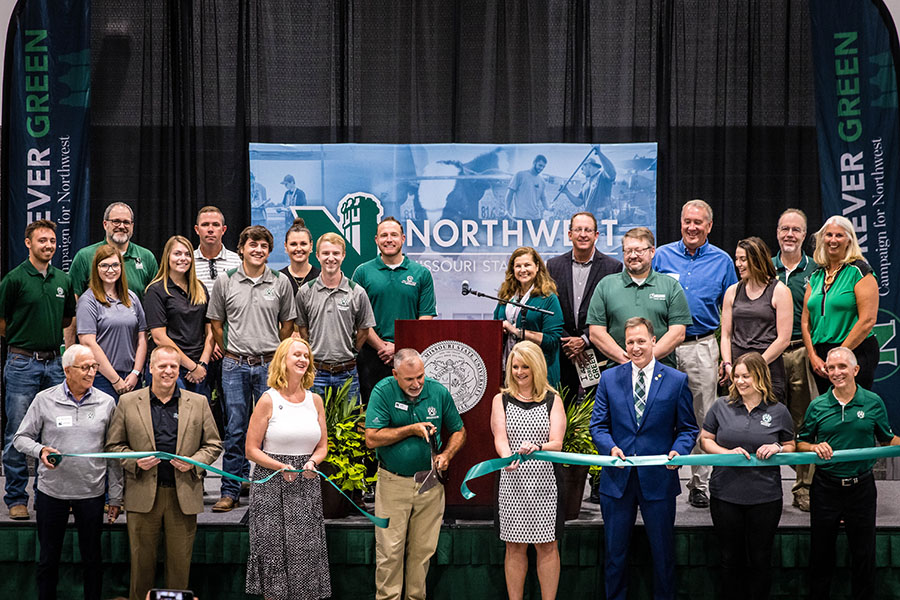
524,307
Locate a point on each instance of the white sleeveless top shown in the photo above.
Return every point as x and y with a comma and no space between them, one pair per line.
293,428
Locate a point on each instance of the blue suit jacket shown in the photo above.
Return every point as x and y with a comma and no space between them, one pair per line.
668,424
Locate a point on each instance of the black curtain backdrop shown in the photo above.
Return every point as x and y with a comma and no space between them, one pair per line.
181,87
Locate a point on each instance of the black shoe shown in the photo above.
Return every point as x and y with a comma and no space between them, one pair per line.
594,498
698,499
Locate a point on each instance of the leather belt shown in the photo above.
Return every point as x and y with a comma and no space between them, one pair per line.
336,367
694,338
42,355
845,481
794,345
252,361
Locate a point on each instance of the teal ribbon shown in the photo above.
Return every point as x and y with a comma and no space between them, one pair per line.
713,460
55,459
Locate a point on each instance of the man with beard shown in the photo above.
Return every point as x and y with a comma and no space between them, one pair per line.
255,305
577,274
527,194
335,315
638,291
36,302
140,264
398,288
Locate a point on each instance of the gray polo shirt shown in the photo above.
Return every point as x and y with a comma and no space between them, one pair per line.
251,312
733,426
56,419
116,326
333,316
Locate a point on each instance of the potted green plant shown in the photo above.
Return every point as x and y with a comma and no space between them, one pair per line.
345,465
578,441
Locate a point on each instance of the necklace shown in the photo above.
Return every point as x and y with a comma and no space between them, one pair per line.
522,397
830,275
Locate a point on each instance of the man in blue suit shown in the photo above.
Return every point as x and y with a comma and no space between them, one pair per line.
642,408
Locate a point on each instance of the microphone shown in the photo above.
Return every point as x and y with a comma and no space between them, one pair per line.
465,288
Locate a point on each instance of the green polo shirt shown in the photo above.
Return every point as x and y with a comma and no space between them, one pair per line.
390,407
140,267
660,299
833,312
855,425
796,281
34,306
405,292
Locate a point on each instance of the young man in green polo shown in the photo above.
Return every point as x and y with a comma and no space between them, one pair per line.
36,302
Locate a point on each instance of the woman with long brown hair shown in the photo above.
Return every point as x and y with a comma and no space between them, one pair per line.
528,282
110,321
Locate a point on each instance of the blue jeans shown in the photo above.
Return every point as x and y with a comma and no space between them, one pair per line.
24,377
325,380
243,384
104,385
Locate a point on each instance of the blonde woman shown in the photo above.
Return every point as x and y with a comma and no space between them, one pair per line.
175,306
528,415
288,558
745,502
841,303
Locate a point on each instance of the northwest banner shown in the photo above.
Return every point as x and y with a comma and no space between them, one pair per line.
464,207
857,123
49,71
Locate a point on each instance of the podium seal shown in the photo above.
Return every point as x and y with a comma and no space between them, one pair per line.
460,369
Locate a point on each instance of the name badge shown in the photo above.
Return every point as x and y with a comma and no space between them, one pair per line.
138,264
64,421
401,406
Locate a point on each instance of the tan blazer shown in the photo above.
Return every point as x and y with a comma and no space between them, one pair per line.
131,430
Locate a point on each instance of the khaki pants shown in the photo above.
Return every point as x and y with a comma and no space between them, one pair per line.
413,534
699,360
800,390
143,537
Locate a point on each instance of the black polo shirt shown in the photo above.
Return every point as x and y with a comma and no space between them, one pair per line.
185,323
164,417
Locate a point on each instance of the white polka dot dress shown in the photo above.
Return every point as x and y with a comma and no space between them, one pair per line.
528,498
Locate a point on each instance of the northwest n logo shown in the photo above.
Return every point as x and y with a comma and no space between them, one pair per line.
885,333
357,220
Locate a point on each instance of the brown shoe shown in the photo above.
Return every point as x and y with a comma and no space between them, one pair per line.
225,504
19,512
801,501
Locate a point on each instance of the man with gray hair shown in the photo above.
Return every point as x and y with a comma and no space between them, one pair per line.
404,420
71,417
704,272
847,416
140,264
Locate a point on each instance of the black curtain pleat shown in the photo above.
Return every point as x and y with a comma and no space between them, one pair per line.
181,87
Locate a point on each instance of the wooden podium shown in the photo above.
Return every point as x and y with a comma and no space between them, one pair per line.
465,357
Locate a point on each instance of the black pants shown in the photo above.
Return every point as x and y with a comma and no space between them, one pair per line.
866,355
746,533
52,518
370,369
830,502
216,395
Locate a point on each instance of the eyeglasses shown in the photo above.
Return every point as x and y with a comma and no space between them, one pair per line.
109,267
583,230
636,251
120,222
785,229
87,368
212,268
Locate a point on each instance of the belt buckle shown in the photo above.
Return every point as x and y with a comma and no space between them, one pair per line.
848,481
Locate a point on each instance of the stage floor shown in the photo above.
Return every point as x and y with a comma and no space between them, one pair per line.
888,514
